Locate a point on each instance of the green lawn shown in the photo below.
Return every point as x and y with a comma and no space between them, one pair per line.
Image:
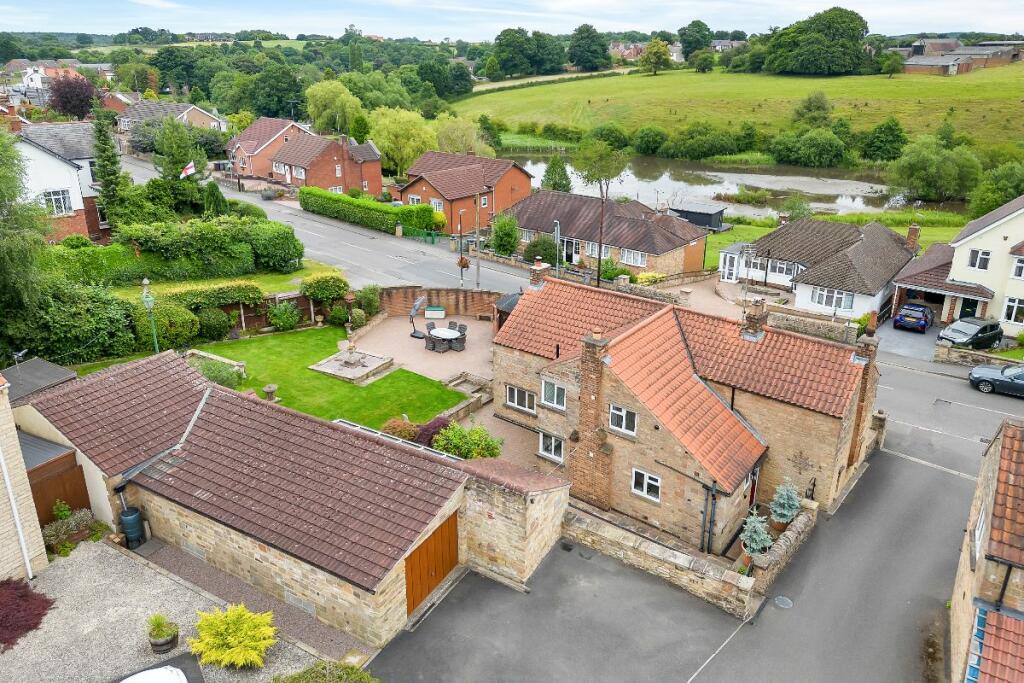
1015,354
526,142
282,359
89,368
271,283
985,103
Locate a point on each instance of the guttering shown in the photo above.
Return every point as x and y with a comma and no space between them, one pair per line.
14,506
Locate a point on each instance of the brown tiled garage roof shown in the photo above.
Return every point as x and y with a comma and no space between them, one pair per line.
652,361
1006,541
121,416
349,502
930,272
1002,652
493,169
302,150
260,132
453,183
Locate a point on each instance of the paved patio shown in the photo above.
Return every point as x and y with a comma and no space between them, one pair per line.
519,445
704,299
391,338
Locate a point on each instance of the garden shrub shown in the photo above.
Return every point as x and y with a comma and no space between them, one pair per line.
214,324
542,246
1020,339
821,148
217,372
328,672
161,627
274,245
611,270
439,221
505,235
401,428
56,532
337,316
649,139
527,127
61,510
76,241
612,134
755,536
368,299
357,318
234,638
21,611
324,287
649,278
367,212
246,210
785,503
468,444
425,435
116,264
283,316
73,323
554,131
176,326
215,296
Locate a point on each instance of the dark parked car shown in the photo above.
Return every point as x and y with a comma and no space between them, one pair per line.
914,317
975,333
989,378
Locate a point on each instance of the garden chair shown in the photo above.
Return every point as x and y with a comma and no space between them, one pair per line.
459,344
430,343
463,328
430,326
442,346
452,325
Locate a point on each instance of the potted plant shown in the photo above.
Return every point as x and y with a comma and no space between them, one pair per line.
163,634
784,506
754,538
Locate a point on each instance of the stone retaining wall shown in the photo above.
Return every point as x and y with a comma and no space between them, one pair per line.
839,330
722,587
398,301
953,355
769,565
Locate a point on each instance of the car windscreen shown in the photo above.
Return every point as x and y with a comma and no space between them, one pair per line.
964,327
911,313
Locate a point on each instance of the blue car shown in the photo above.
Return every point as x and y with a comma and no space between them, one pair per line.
914,317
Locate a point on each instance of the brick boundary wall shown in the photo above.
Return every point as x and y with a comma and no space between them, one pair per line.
823,327
952,355
398,301
770,564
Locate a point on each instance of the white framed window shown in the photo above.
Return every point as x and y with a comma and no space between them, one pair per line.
525,235
58,202
551,447
552,394
780,267
336,189
978,536
832,298
278,167
979,258
592,250
755,263
1013,312
437,204
366,186
242,162
973,672
337,170
1018,268
520,398
414,199
633,258
286,138
300,173
483,201
646,485
621,419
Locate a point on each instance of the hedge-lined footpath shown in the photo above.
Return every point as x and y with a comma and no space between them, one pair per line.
367,212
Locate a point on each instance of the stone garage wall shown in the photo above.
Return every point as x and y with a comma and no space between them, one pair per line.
947,353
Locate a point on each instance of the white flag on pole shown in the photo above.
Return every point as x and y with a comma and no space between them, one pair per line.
190,169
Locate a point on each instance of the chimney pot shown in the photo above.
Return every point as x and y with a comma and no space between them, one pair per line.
538,271
755,320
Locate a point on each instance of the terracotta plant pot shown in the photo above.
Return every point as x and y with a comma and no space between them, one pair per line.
163,645
746,559
779,526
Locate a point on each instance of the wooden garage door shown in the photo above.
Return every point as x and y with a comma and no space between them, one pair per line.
431,561
59,478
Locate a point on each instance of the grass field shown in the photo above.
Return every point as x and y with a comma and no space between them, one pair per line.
526,142
984,103
271,283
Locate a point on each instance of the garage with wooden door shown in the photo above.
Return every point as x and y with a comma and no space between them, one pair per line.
432,560
53,474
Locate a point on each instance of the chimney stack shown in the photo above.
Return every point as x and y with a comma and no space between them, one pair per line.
913,236
538,271
590,462
755,320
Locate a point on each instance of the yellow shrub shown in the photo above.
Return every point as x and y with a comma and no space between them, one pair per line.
234,638
649,278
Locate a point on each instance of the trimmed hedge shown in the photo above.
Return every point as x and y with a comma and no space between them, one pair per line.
324,287
367,212
215,296
274,245
245,209
176,326
117,264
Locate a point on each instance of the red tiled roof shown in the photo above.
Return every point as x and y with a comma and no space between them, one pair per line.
652,362
303,150
1002,651
1017,249
493,169
1006,541
811,373
121,416
930,272
350,502
453,183
561,313
259,133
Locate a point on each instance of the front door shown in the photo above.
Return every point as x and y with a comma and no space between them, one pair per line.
969,308
571,251
729,268
431,562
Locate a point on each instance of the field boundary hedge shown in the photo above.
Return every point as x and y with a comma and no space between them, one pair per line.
366,212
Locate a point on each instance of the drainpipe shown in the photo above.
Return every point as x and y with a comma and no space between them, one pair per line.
703,518
711,520
14,513
1002,589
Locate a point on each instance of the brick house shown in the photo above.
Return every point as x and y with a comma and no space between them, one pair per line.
158,110
635,235
118,101
353,526
59,160
41,76
987,607
665,414
21,541
980,273
939,65
832,268
465,187
316,161
251,151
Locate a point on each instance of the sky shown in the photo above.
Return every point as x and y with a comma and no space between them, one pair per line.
482,19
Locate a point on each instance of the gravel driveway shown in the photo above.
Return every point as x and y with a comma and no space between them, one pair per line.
96,629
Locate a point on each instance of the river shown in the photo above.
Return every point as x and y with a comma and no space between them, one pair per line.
670,182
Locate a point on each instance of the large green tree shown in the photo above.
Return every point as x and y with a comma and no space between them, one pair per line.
827,43
547,53
929,171
597,163
513,50
998,186
332,107
401,136
655,57
886,141
555,176
588,50
694,36
112,180
459,136
22,228
277,92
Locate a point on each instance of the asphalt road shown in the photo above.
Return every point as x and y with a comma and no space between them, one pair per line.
367,256
867,589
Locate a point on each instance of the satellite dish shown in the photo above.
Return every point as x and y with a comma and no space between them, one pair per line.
416,306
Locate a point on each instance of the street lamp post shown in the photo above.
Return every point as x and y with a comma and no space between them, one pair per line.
461,270
148,300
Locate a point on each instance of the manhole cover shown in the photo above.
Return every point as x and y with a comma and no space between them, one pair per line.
783,602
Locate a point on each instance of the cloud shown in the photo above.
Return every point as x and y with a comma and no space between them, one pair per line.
157,4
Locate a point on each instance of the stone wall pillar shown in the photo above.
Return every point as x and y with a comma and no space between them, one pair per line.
590,462
538,271
951,313
867,349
